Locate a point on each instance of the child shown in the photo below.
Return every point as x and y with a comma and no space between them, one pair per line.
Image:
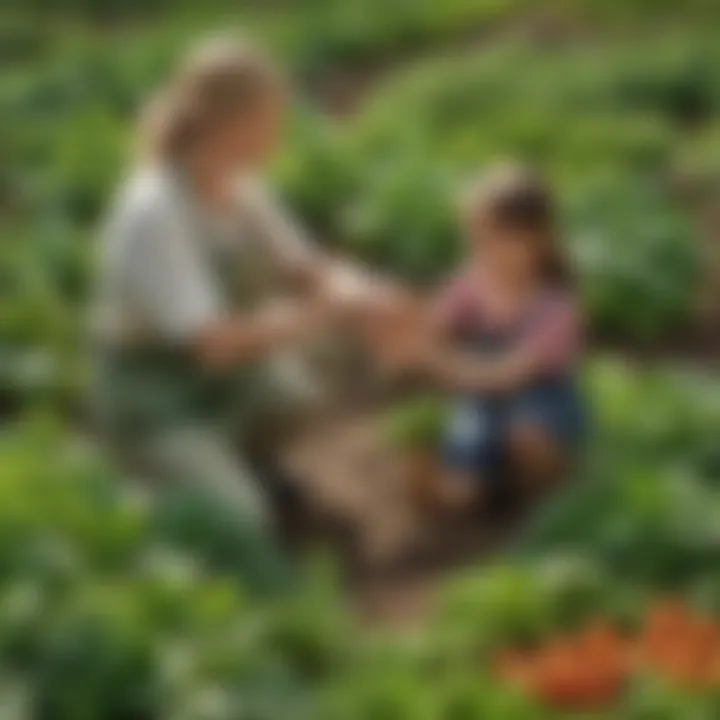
505,338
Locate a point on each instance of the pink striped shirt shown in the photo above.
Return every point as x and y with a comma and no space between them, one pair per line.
550,329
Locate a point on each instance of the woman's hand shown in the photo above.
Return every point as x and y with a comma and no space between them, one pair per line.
391,320
280,324
398,333
410,350
357,295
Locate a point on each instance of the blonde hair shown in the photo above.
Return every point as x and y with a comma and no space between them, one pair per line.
220,78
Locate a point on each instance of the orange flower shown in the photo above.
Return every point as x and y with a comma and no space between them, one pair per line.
514,667
587,671
603,645
666,628
668,617
566,678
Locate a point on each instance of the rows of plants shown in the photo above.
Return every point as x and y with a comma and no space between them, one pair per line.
314,36
609,130
116,605
608,605
609,124
322,35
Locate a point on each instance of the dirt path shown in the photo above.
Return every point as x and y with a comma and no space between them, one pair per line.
396,554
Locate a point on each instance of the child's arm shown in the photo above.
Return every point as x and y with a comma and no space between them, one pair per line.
462,371
551,345
417,337
418,345
403,336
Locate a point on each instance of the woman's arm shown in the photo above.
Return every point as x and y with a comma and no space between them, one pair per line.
248,337
307,268
169,284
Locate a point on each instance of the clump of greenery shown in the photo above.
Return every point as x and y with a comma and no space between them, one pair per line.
606,126
110,608
415,423
116,604
609,122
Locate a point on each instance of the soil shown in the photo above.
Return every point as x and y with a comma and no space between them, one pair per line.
362,499
394,553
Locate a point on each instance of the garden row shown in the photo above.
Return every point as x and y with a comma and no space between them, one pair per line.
116,606
612,132
612,126
319,36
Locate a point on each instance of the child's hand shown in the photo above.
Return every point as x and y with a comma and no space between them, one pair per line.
407,350
398,334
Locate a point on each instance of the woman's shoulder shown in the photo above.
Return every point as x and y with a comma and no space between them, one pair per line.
149,189
253,194
147,207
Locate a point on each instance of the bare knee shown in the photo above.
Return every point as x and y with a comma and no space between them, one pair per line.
457,492
539,459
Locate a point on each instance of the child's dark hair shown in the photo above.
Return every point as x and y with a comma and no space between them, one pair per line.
518,198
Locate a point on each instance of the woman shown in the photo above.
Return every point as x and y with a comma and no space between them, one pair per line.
197,263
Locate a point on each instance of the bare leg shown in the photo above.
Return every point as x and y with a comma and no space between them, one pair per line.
539,461
457,492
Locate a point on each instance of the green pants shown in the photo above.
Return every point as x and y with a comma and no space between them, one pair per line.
211,504
193,456
208,496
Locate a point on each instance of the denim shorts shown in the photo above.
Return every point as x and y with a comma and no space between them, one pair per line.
478,425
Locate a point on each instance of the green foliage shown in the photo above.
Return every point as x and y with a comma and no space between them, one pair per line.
321,36
658,414
647,505
605,125
107,610
415,423
115,605
607,121
659,530
637,259
649,508
103,614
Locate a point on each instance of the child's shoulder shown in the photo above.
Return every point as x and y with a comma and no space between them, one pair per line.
559,296
464,282
561,304
461,288
458,298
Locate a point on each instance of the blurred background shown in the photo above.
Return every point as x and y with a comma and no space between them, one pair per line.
103,615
